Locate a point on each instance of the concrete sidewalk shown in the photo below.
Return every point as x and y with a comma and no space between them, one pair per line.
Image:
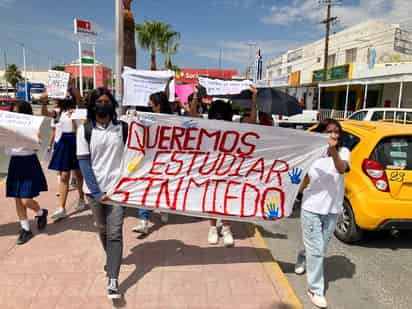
173,267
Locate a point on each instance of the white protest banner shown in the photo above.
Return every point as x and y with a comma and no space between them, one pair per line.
140,84
20,130
57,84
208,168
222,87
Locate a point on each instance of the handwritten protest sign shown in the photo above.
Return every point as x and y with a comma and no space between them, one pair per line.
57,84
215,169
26,131
140,84
79,114
184,91
221,87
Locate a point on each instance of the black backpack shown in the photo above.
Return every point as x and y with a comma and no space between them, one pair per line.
88,127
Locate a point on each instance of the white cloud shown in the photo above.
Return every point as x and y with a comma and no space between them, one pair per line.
240,52
6,3
304,11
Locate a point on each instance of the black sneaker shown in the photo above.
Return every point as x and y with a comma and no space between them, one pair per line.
113,289
24,236
42,220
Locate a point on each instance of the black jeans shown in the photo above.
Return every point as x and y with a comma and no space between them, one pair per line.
109,221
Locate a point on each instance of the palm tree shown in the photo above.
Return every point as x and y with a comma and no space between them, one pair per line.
169,47
13,75
129,35
154,36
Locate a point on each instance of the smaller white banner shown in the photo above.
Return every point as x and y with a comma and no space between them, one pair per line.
57,84
221,87
140,84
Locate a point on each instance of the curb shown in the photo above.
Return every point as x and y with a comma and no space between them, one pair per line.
273,270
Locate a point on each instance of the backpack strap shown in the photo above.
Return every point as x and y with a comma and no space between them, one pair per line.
88,127
125,131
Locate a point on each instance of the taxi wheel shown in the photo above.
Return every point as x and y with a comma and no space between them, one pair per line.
346,228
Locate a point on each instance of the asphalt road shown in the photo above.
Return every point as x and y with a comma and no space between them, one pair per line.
376,273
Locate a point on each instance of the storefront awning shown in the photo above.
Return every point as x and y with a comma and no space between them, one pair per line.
370,81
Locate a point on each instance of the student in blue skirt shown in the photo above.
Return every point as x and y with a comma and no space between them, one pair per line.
64,159
25,181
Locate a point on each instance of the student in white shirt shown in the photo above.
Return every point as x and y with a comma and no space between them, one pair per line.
25,181
100,145
64,159
323,193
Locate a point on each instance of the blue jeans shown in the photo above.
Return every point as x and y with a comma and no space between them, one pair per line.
144,214
317,232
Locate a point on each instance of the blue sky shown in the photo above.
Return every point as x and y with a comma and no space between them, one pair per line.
275,26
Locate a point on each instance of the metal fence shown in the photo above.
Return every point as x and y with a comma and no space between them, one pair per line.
334,114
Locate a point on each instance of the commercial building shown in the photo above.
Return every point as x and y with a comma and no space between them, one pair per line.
103,74
369,65
190,75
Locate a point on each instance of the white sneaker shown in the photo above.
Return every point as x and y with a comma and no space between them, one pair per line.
142,227
80,206
317,300
59,214
300,263
213,237
164,217
228,240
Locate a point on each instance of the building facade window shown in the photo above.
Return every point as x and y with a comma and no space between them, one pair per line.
351,55
331,60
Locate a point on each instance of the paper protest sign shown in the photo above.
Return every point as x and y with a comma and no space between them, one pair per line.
224,87
57,84
184,91
140,84
26,131
207,168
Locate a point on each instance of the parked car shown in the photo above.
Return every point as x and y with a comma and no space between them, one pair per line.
6,104
378,188
300,121
398,115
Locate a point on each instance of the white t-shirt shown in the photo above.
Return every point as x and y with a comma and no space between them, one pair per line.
106,150
19,152
326,189
57,130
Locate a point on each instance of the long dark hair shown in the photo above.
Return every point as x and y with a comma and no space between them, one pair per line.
160,98
23,107
66,104
220,110
323,125
91,103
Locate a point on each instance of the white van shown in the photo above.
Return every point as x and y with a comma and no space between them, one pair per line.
398,115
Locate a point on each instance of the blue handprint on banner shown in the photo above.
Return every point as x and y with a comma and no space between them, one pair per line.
296,176
272,209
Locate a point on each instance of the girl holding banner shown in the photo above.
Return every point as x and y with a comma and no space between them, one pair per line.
323,192
64,159
161,105
25,181
100,144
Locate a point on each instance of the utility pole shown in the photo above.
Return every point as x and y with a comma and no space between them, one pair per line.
249,68
119,47
5,70
26,91
329,19
220,59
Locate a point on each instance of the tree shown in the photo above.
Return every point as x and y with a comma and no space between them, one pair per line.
58,68
13,75
169,47
152,36
129,35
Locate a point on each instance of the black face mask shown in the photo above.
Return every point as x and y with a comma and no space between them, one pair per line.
104,109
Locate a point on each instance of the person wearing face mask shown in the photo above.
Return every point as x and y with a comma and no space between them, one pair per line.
323,192
159,104
100,145
64,159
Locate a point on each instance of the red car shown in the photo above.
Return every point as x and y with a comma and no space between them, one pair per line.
6,104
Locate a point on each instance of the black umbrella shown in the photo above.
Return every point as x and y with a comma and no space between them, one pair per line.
269,100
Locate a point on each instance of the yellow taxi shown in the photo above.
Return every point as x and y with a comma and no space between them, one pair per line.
378,188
